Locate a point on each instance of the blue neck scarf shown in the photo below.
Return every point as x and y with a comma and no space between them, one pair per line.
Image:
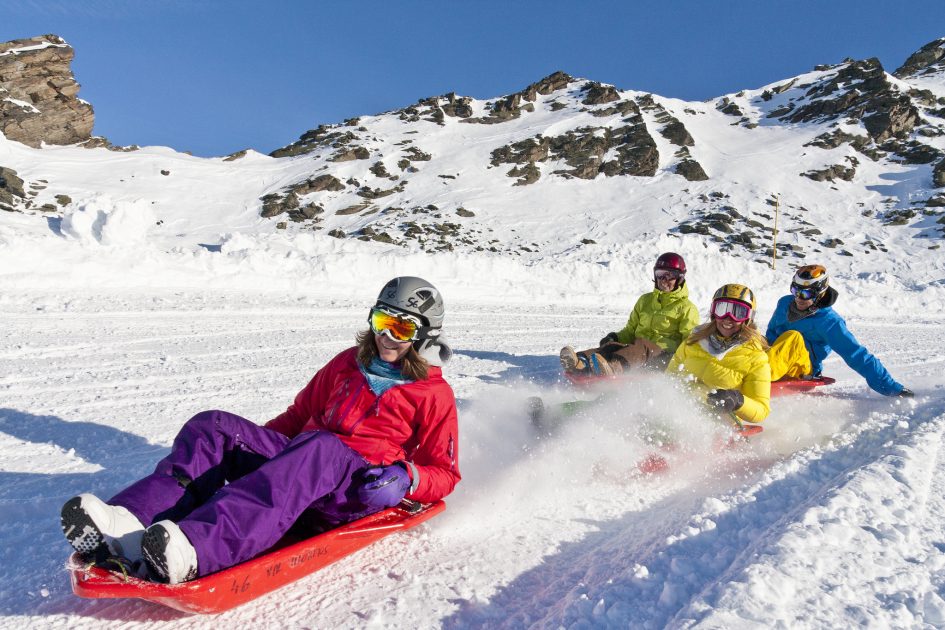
382,375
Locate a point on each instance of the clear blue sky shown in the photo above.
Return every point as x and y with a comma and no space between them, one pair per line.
216,76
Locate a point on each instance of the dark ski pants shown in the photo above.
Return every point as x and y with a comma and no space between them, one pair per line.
235,488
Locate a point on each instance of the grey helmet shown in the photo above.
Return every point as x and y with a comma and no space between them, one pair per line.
415,296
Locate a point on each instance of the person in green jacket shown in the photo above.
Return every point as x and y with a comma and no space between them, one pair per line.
659,322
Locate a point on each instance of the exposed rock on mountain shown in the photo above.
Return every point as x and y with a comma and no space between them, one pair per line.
598,94
511,107
322,137
585,150
691,170
38,93
11,190
675,131
860,89
18,195
317,184
927,60
837,171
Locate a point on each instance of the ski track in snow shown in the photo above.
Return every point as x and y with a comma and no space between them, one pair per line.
834,517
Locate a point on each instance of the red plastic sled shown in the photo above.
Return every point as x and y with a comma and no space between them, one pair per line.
656,462
237,585
798,386
584,380
778,388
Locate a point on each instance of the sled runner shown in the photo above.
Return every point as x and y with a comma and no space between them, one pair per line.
584,380
798,386
656,462
783,387
547,421
285,563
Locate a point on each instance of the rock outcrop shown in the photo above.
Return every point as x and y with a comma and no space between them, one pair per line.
859,90
38,101
511,107
11,190
938,174
928,59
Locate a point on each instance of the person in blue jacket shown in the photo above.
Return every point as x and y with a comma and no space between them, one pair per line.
805,329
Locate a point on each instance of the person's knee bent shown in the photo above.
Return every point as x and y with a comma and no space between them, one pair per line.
789,336
213,421
204,419
788,356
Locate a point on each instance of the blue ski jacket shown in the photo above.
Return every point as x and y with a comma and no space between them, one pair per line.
825,331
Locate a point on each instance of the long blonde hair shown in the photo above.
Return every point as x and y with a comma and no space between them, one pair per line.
412,366
746,334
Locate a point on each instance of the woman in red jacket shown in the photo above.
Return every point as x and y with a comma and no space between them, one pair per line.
375,425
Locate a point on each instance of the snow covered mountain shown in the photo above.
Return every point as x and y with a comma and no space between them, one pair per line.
141,285
563,166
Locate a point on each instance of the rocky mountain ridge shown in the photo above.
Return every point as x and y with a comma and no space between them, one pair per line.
856,107
446,172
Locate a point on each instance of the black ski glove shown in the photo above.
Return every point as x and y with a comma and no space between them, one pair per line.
905,392
609,338
727,399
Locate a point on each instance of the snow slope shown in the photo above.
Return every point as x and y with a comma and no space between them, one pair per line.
832,518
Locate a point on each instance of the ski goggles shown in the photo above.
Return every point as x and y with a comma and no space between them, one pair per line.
733,309
805,293
397,326
665,274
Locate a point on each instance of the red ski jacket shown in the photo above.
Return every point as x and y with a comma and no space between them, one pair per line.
414,423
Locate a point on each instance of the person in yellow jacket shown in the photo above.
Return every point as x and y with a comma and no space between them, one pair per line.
727,358
659,322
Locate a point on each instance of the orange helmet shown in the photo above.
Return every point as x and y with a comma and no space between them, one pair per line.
810,282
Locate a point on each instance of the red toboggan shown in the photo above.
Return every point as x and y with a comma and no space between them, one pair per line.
239,584
778,388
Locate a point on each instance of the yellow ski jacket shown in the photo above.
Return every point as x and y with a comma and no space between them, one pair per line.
743,367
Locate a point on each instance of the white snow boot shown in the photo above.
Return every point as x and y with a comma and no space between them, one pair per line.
168,552
90,524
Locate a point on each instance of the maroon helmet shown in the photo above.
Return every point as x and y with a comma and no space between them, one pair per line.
671,261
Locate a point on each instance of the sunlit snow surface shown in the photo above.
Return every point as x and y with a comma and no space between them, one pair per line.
833,517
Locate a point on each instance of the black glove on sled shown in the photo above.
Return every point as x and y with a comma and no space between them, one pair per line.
609,338
905,392
727,399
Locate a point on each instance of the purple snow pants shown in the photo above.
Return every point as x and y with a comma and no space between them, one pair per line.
235,487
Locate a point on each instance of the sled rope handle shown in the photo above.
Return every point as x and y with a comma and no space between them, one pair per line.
116,561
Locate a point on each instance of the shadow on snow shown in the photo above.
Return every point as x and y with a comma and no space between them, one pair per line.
30,503
542,370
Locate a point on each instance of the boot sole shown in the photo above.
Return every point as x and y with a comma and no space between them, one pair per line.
154,549
80,530
569,360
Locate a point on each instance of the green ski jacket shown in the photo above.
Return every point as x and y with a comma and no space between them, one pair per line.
666,319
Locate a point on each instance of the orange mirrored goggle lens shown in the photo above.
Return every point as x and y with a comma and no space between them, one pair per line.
397,328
